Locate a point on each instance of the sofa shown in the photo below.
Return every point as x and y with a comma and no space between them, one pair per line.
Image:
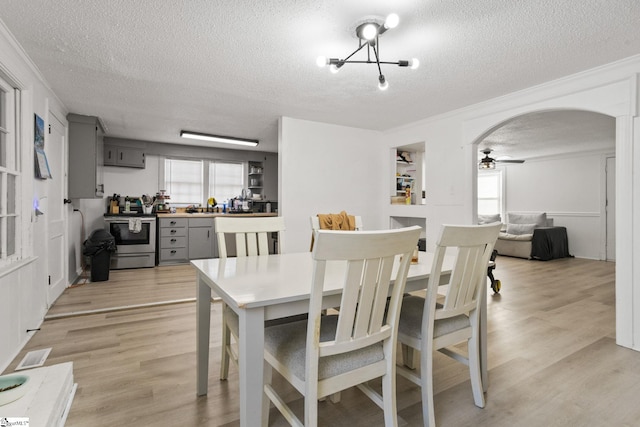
517,234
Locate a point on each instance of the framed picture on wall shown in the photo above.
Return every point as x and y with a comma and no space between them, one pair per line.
40,162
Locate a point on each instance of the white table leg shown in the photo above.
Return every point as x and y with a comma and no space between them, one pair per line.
251,366
203,326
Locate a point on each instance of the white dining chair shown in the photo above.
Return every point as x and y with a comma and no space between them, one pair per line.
428,326
315,226
251,238
327,354
315,222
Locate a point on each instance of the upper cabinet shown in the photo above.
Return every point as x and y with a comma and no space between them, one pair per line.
124,156
85,157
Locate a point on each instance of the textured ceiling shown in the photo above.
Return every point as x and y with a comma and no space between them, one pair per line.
149,68
551,134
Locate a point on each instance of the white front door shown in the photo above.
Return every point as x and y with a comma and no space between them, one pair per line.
55,215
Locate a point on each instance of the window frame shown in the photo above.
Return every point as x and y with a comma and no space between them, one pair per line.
501,190
10,127
206,171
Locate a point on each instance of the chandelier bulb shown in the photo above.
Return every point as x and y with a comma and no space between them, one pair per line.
414,63
382,83
334,68
391,21
369,32
322,61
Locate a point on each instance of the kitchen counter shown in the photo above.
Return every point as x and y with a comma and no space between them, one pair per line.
212,214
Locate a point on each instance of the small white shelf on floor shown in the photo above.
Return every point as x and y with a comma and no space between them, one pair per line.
48,399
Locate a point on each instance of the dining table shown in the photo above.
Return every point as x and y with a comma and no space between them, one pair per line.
265,287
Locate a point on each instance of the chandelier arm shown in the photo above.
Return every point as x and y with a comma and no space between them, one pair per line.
375,51
354,52
372,62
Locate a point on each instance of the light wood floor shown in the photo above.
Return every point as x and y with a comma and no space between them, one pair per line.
552,356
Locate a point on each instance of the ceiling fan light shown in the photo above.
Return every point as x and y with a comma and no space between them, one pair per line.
486,163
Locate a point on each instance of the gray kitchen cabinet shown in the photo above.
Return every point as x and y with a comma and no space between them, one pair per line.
202,241
172,241
85,157
124,156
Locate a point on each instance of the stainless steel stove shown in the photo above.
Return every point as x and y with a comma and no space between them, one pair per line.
135,236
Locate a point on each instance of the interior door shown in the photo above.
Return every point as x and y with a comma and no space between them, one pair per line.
55,214
611,209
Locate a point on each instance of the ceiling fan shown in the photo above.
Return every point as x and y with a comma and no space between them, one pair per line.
490,163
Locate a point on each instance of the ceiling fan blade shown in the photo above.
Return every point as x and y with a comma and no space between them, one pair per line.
509,161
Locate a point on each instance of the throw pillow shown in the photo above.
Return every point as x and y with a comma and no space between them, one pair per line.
489,219
519,229
539,219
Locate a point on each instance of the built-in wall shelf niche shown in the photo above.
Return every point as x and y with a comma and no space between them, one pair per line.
407,183
405,221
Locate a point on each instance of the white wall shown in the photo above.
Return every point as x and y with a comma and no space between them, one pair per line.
569,190
132,181
327,169
23,286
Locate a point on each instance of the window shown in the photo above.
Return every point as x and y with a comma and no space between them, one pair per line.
490,193
184,181
225,180
192,182
9,175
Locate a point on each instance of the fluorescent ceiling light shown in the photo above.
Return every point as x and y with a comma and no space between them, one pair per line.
218,138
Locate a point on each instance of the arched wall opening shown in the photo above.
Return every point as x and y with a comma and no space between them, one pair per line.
563,172
617,99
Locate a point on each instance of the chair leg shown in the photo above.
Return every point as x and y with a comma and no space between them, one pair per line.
226,343
266,402
474,370
426,374
389,399
335,397
311,407
408,356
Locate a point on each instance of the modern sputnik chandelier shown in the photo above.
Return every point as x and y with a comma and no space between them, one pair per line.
368,34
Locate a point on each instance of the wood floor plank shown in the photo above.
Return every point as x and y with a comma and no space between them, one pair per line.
553,360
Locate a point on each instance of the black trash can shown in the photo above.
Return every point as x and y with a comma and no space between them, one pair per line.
99,247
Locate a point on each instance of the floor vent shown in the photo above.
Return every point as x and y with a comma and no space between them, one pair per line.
33,359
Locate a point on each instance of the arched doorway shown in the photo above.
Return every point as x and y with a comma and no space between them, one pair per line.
564,173
612,95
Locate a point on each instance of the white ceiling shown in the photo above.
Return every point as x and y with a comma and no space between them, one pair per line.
149,68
